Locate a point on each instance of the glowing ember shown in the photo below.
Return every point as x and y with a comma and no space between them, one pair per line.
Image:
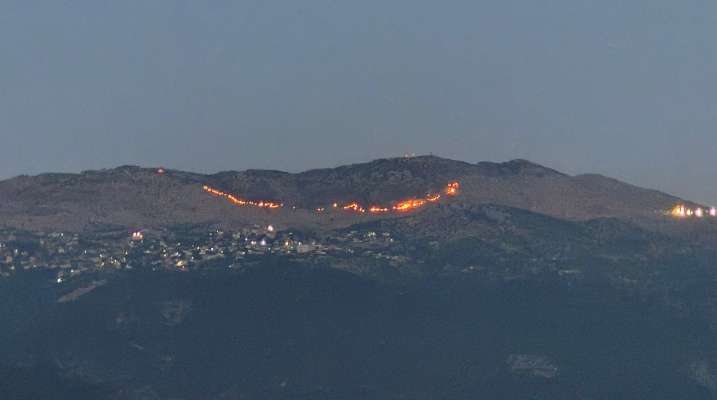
401,206
354,207
241,202
433,197
409,205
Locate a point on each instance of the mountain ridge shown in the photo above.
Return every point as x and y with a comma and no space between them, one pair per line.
135,196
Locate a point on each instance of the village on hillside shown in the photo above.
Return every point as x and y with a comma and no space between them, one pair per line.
73,254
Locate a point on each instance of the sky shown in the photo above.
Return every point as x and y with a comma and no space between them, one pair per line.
623,88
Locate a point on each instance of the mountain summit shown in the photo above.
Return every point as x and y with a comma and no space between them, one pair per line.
130,196
324,284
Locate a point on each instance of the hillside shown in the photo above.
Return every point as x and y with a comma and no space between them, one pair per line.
292,333
133,197
518,282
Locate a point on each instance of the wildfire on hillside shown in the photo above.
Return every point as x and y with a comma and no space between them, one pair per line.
354,207
401,206
408,205
432,198
242,202
452,188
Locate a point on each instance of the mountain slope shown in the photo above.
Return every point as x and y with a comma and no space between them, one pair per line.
133,197
286,332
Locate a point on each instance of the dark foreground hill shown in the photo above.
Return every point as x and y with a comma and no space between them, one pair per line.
284,332
530,284
512,304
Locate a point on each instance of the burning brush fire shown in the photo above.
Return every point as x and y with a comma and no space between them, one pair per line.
407,205
399,207
242,202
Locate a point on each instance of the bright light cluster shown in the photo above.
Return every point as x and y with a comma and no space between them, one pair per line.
399,207
680,211
242,202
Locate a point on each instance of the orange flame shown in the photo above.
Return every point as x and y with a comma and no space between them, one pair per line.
452,188
408,205
354,207
432,198
401,206
241,202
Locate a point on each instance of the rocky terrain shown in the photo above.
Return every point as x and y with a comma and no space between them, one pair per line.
133,197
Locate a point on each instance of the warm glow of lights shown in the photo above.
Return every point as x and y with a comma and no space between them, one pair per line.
137,236
377,209
679,211
241,202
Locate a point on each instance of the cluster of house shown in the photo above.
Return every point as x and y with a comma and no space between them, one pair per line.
682,211
73,254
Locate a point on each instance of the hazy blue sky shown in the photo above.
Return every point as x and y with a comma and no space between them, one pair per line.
625,88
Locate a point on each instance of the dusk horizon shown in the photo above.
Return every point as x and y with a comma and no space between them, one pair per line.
622,90
263,200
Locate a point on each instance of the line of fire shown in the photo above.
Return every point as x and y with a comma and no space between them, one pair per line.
242,202
402,206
